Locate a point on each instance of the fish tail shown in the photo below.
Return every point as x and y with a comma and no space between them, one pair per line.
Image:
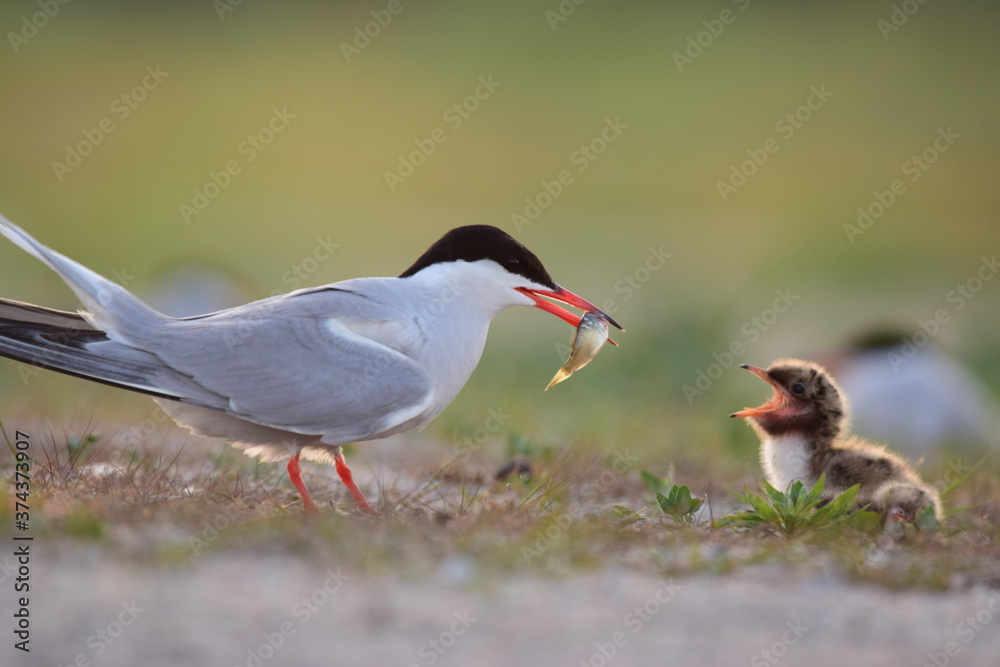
560,375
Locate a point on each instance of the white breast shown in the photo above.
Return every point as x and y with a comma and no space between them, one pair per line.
785,459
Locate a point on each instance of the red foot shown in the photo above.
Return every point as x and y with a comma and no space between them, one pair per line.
348,479
295,474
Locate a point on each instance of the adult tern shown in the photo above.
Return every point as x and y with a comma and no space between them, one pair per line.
303,373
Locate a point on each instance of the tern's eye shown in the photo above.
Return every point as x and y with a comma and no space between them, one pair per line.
798,388
513,261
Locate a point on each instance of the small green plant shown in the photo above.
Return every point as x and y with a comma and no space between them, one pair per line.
626,515
794,510
678,505
656,484
676,502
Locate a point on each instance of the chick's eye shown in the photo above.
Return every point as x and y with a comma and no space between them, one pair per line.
798,388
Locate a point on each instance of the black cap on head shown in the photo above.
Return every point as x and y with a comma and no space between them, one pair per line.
475,242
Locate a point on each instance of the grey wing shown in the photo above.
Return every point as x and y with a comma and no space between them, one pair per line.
287,364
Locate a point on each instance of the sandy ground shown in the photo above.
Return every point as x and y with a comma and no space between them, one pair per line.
107,603
251,610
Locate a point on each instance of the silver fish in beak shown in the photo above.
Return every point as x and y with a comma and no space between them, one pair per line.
591,335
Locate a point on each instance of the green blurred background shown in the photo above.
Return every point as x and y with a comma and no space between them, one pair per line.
323,176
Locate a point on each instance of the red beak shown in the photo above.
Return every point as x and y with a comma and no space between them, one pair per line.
567,297
776,402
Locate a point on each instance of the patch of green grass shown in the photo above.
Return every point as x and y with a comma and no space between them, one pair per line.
579,513
797,510
85,524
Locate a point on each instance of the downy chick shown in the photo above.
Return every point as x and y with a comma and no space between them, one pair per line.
803,433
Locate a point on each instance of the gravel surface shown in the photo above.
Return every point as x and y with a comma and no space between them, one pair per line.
253,610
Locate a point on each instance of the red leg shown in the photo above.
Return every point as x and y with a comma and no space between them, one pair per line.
348,479
296,476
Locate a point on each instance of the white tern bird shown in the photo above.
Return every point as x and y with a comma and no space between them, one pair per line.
303,373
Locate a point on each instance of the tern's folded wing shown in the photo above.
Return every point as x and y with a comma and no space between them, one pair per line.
284,364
